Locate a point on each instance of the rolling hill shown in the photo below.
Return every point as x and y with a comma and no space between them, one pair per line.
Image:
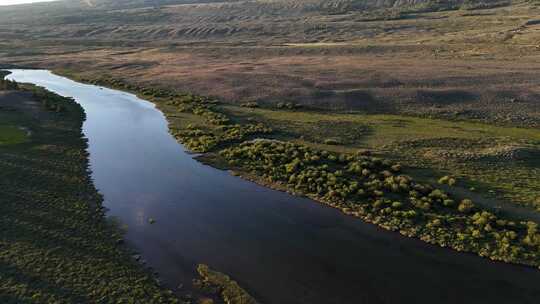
474,59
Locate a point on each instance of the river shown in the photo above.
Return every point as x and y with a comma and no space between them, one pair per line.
282,249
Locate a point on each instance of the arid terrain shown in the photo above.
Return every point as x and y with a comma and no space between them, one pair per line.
459,63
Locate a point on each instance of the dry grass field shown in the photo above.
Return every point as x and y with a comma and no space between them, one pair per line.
476,64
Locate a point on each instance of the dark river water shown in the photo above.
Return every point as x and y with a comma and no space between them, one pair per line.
282,249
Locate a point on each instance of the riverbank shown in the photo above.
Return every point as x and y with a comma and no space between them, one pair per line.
205,215
56,245
500,162
372,188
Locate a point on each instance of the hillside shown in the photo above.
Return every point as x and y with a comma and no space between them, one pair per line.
471,59
263,21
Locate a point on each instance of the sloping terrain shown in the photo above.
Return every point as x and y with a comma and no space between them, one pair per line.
453,59
147,20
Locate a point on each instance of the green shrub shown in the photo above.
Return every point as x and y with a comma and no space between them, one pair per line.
332,141
450,181
465,206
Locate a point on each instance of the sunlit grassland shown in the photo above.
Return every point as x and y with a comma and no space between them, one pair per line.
483,156
383,129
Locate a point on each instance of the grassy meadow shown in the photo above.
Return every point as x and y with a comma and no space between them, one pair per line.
487,157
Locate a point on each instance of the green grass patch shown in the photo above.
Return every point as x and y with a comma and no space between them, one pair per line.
380,130
10,135
499,158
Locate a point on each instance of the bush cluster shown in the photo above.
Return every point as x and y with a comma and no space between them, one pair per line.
8,85
200,141
50,101
376,190
221,131
448,180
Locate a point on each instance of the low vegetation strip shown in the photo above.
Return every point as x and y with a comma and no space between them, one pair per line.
221,130
55,244
501,161
221,283
214,130
375,190
364,186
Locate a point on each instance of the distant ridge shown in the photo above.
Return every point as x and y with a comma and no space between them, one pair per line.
158,20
